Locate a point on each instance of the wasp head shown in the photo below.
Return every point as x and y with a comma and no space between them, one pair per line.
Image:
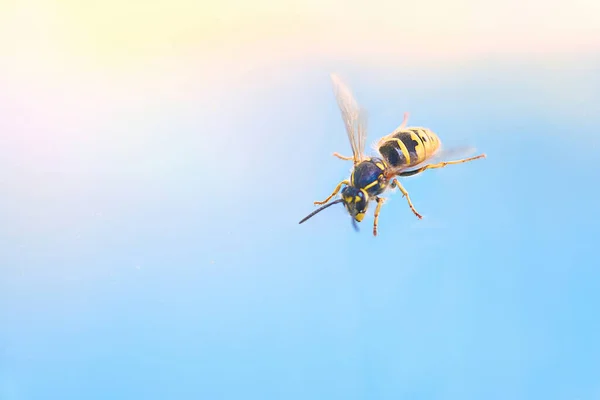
356,202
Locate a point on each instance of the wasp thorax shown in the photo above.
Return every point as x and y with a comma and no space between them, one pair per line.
355,201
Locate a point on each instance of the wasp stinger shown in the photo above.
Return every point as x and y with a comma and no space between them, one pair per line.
405,152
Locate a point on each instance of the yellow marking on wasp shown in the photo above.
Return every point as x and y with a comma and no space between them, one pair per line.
356,199
404,151
365,194
419,148
337,189
424,136
370,185
380,165
359,217
382,182
376,219
405,193
430,142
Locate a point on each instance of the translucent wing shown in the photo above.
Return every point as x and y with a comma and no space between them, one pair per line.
442,155
354,117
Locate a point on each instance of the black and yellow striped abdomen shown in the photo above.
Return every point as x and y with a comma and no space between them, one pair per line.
408,147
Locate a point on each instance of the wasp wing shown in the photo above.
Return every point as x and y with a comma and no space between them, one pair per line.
442,155
354,117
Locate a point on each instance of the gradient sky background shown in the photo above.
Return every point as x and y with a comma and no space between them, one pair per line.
156,157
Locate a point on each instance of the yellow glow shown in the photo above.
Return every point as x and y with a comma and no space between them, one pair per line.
114,31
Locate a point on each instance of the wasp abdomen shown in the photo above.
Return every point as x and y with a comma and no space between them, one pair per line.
409,147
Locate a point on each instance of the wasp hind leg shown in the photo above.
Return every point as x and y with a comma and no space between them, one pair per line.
337,189
440,165
401,127
397,184
404,122
341,157
380,202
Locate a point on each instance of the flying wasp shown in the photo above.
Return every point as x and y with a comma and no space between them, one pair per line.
405,152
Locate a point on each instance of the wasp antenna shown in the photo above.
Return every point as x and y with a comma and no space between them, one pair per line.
318,210
355,225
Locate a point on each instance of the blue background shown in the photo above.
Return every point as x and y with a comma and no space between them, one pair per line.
161,258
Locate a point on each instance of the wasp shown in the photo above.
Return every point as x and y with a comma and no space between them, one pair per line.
406,151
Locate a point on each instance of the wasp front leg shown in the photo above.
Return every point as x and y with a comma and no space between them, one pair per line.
337,189
341,157
377,210
397,184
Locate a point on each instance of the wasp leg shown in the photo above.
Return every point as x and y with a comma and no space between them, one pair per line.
397,184
404,122
401,127
439,165
337,189
338,155
377,210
